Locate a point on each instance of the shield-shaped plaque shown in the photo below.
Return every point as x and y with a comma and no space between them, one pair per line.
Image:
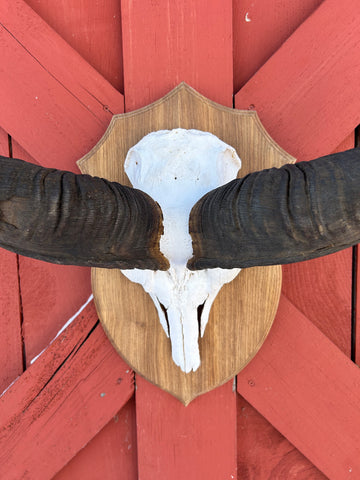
243,312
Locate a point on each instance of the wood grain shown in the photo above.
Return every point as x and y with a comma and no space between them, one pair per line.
236,329
76,386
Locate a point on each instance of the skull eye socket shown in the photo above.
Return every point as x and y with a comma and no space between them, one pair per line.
200,309
163,308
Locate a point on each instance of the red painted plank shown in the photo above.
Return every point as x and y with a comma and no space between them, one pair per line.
11,364
299,93
75,387
93,29
309,390
193,442
46,84
260,28
167,42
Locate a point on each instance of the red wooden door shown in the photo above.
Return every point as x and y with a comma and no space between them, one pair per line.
74,412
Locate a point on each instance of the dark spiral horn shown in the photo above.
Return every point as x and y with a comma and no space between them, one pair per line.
70,219
280,215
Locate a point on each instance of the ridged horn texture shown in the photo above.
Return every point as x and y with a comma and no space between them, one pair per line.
70,219
280,215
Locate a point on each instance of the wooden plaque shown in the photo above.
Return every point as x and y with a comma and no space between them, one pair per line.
243,312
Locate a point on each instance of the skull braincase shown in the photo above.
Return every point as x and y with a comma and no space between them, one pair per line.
176,168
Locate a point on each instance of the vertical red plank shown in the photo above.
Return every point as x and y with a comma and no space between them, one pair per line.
11,364
193,442
52,294
259,30
167,42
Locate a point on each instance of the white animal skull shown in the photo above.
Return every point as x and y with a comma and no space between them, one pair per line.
176,168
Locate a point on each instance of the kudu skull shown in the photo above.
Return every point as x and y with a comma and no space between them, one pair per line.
176,168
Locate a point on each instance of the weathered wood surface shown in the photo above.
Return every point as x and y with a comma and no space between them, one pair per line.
323,417
188,451
69,393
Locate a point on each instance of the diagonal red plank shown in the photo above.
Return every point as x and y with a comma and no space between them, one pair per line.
311,83
70,392
46,85
310,391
